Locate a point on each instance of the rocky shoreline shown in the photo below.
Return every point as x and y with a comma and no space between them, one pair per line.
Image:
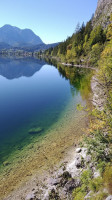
68,177
58,183
98,98
62,182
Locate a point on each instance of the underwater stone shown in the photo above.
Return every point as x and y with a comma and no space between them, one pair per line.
35,130
6,163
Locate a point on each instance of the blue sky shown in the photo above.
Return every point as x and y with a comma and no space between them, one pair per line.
52,20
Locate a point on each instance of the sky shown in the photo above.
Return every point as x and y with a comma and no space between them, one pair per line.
52,20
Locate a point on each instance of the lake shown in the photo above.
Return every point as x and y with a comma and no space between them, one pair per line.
35,95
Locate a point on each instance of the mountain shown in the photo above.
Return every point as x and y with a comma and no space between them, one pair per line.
102,14
17,37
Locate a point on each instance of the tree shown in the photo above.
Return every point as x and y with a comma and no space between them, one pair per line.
97,36
109,32
95,54
77,29
88,28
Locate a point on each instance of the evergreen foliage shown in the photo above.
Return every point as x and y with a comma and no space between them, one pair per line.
83,47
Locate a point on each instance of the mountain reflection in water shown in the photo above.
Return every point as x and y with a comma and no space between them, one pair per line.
18,67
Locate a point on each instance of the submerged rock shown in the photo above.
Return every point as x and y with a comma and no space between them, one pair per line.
35,130
6,163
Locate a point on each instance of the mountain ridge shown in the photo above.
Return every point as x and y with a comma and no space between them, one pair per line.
17,37
12,37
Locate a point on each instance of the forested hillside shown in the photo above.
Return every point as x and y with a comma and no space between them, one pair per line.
85,45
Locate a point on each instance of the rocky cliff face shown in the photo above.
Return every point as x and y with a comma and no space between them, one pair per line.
102,14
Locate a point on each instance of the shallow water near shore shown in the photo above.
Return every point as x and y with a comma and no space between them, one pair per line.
44,98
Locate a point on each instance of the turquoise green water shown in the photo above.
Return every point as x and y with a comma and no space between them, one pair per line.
33,94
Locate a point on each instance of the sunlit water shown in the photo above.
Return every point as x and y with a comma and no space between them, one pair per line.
32,94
